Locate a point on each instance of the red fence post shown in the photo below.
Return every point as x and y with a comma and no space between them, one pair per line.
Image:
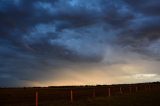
71,93
36,98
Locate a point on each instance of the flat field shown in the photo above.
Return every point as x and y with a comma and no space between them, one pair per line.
103,95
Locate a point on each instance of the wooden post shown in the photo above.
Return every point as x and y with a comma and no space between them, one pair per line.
94,93
130,89
109,91
145,87
71,96
36,98
120,89
136,88
149,87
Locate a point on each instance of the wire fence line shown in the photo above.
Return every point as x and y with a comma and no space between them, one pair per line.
74,94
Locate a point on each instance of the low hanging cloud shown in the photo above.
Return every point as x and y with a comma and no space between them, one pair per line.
61,42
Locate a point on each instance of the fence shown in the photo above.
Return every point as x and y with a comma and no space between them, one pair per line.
108,91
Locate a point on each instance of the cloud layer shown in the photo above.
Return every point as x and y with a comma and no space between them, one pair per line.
59,42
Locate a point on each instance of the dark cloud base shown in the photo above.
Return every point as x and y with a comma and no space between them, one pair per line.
37,36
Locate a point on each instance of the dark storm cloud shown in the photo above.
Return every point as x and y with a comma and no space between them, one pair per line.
43,36
147,7
143,30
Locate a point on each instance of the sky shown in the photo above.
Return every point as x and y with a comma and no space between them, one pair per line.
79,42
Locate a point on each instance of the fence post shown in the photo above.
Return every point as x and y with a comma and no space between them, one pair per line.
71,95
130,89
145,88
136,88
109,91
36,98
120,90
149,87
94,93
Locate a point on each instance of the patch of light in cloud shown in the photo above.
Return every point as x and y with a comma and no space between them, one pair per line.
144,76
